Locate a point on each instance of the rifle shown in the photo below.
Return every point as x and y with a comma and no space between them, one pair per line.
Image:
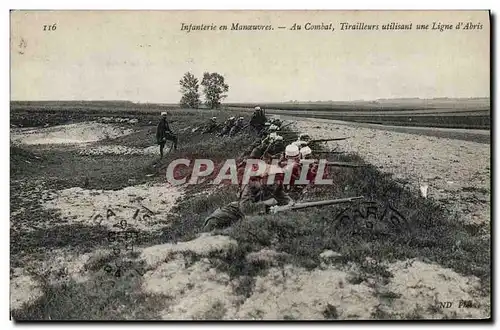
299,206
286,125
328,152
289,132
326,140
267,149
320,140
339,164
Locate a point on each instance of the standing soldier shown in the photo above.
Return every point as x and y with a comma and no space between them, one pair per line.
164,133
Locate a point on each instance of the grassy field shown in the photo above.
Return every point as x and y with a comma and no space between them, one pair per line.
401,104
471,113
428,233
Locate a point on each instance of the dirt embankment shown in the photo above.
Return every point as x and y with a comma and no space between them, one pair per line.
456,172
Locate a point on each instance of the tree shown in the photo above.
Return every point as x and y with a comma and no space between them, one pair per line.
189,89
214,88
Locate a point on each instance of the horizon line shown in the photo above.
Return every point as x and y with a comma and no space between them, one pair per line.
263,102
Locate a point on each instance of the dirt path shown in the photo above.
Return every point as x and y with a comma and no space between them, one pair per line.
474,135
456,172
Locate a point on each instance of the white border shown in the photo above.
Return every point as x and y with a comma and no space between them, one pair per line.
255,4
187,4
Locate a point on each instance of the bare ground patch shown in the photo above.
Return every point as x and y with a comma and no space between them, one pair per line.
24,289
118,150
68,134
143,207
439,292
198,286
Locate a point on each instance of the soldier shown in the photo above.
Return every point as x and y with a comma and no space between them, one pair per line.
273,145
258,151
304,137
228,124
258,119
302,140
270,132
237,126
292,153
223,217
256,193
306,153
265,130
211,126
260,191
273,128
291,162
164,134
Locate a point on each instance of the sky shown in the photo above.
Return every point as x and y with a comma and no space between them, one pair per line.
141,55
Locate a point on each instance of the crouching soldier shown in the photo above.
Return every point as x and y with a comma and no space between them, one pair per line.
258,119
164,134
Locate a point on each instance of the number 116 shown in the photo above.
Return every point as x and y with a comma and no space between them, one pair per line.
50,27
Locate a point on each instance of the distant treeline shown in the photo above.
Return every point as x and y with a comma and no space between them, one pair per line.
103,104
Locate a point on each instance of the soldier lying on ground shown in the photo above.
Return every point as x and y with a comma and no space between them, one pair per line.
302,140
268,129
164,134
257,193
276,146
260,193
293,160
290,161
238,126
211,126
269,146
265,130
228,124
223,217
